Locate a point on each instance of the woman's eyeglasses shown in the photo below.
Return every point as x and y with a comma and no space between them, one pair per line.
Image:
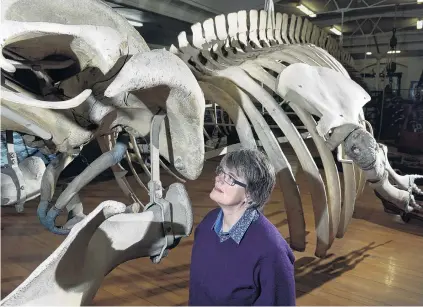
228,178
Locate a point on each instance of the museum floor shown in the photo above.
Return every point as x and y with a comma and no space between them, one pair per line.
378,262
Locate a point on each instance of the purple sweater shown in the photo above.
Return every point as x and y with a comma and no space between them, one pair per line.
257,271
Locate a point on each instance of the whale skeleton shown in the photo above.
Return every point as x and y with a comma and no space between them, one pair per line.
76,72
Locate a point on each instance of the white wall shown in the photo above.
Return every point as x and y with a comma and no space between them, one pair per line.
411,68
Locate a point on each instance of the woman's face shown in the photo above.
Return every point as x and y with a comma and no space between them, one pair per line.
229,190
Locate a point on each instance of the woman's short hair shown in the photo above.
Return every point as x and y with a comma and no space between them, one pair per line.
254,167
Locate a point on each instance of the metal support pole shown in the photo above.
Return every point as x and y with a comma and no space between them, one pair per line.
155,185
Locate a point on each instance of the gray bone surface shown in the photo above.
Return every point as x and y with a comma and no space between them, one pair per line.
298,53
371,157
105,238
121,84
106,49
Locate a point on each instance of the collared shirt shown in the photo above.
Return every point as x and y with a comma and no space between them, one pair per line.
237,231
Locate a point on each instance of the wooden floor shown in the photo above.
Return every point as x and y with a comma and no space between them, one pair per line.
378,262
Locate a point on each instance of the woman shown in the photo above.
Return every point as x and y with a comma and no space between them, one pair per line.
239,257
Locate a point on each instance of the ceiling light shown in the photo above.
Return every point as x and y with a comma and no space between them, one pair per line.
307,11
420,24
368,53
394,51
135,23
336,31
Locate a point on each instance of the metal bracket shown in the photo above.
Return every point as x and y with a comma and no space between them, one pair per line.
339,155
155,186
156,190
166,212
19,178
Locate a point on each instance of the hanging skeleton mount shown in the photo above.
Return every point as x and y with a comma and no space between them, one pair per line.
76,71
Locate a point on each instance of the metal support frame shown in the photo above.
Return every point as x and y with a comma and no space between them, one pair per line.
155,188
155,184
367,7
409,10
376,25
340,152
359,28
17,176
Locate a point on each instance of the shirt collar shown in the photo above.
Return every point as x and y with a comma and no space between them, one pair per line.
237,231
